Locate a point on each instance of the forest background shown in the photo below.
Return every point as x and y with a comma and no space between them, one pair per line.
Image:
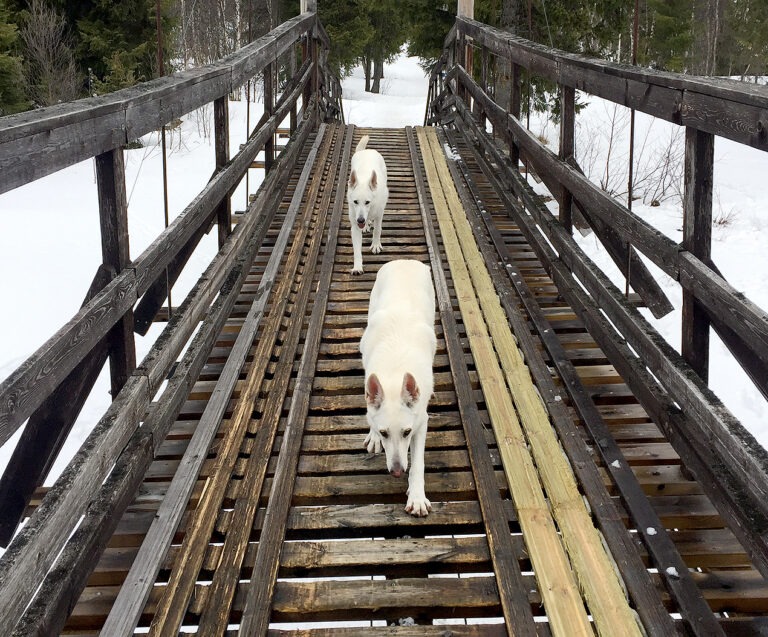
53,51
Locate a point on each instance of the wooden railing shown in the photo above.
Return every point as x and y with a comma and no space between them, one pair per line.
48,390
672,387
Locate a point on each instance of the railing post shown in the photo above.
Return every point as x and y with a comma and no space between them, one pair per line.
479,112
310,49
515,101
697,239
293,116
269,107
113,215
567,125
465,9
221,143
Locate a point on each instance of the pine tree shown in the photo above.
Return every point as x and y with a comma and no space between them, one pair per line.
12,98
117,41
388,34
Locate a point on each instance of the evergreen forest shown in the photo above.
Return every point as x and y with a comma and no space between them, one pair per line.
53,51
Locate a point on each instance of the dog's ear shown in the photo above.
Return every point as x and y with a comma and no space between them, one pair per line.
374,180
353,179
410,392
374,393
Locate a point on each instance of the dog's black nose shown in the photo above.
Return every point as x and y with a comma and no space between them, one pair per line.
397,470
361,222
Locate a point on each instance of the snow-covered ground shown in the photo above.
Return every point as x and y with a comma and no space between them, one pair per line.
50,245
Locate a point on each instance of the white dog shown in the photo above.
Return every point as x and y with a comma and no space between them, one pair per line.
367,196
398,347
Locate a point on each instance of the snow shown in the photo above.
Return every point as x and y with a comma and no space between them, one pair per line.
651,531
672,572
50,244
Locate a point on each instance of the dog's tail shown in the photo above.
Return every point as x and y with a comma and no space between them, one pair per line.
362,144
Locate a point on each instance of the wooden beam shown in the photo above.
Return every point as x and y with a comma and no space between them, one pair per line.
47,430
517,613
567,125
113,214
221,144
697,239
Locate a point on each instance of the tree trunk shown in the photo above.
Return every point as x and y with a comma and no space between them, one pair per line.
367,70
378,73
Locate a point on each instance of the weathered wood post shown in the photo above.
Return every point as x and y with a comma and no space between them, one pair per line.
269,108
465,9
113,214
221,143
293,67
567,125
310,49
697,239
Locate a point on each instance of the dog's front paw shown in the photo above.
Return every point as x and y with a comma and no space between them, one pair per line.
418,506
373,442
357,270
376,248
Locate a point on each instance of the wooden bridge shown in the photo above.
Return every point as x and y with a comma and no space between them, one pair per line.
584,478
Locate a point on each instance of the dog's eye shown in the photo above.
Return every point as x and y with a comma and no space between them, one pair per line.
356,202
384,434
367,202
406,432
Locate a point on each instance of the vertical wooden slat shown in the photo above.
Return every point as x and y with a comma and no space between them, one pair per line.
697,239
515,100
567,124
113,214
269,106
293,67
221,142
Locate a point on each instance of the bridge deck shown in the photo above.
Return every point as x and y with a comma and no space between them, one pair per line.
289,507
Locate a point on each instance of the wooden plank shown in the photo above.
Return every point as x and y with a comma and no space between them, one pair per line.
711,419
62,585
297,600
37,545
46,431
595,571
259,594
655,619
517,614
214,618
170,611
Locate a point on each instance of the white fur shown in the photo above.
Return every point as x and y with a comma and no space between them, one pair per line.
398,347
367,195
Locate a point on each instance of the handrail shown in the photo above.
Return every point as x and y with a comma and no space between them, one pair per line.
723,107
37,143
118,437
727,458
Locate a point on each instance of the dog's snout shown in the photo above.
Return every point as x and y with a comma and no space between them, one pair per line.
397,470
361,221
